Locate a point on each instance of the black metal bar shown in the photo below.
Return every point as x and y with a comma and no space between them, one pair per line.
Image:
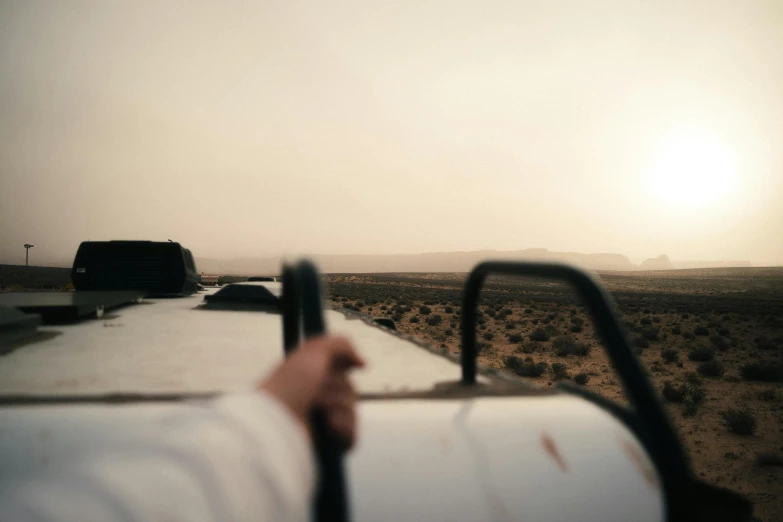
312,305
302,301
331,501
666,450
291,308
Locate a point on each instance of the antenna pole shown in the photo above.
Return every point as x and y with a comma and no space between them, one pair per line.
27,248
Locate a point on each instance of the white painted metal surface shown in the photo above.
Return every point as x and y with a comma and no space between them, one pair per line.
174,345
552,458
534,459
542,459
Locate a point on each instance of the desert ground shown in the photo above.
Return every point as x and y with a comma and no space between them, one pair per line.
711,340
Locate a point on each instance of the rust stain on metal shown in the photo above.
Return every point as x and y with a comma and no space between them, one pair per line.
640,463
551,449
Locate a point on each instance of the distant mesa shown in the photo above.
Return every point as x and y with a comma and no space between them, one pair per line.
661,262
451,262
427,262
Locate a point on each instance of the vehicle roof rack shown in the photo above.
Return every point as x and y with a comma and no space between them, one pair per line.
254,295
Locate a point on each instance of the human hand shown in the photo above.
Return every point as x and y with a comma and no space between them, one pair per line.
315,375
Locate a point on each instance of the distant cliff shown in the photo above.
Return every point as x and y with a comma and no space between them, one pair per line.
429,262
661,262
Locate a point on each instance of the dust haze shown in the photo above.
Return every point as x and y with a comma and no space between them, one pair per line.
253,130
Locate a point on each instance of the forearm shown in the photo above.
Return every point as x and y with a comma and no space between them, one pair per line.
241,457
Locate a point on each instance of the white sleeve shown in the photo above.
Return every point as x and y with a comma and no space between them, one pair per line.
242,457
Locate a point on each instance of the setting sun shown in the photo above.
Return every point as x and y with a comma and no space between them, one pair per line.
693,170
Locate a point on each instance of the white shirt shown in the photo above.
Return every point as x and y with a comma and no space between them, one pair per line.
241,458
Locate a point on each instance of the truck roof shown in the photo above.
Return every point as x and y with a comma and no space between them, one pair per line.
178,345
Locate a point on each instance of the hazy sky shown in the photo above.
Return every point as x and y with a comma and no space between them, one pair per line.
352,127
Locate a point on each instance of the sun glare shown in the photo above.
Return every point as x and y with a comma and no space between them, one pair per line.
693,171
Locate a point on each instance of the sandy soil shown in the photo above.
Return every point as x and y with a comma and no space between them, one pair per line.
729,321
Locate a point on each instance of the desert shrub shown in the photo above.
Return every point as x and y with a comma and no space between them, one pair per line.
769,459
434,320
414,319
529,347
526,368
532,369
448,310
656,319
512,362
640,342
696,394
563,345
685,316
539,335
701,354
672,394
576,328
670,355
488,336
763,371
534,321
724,332
689,408
645,321
762,343
683,393
740,422
711,369
566,345
449,332
676,330
383,307
581,378
396,318
551,330
721,343
701,330
651,334
528,311
559,371
769,395
510,325
425,310
515,338
688,336
693,378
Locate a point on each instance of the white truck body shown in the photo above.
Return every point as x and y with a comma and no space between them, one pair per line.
422,454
